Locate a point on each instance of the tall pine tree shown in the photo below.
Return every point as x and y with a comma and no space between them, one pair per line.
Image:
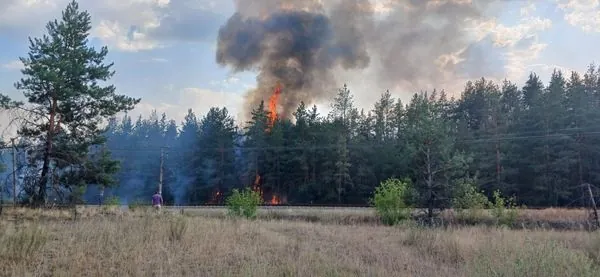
67,103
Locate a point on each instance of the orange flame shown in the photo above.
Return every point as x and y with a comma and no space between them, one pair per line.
275,200
273,100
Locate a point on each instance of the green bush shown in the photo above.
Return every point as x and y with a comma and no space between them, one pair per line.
137,205
390,201
468,203
76,196
504,210
111,204
244,203
112,201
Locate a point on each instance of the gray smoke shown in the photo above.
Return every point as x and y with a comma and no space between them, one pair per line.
302,44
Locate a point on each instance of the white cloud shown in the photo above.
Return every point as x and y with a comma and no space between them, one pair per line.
117,36
520,41
584,14
127,25
154,60
509,36
519,60
18,13
227,83
527,9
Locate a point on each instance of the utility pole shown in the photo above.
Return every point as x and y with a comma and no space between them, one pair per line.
160,180
595,209
14,171
2,185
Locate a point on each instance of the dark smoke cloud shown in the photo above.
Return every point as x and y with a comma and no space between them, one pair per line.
302,44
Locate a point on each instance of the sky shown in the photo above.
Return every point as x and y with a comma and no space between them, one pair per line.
164,50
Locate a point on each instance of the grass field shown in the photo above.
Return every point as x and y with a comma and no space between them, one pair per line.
204,243
551,218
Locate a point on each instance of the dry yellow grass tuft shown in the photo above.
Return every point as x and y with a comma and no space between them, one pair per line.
175,245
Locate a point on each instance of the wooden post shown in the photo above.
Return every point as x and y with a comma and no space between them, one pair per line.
1,196
595,209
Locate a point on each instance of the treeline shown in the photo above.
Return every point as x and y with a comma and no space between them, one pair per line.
537,142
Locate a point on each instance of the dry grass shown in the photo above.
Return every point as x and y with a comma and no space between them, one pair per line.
574,219
551,218
175,245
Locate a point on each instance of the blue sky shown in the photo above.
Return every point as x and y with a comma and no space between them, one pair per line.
164,50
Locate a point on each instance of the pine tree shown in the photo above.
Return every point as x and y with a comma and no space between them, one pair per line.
214,158
62,84
431,143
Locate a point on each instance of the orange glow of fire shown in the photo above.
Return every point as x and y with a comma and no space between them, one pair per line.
256,186
273,101
216,197
275,199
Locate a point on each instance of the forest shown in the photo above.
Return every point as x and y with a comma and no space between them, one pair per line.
534,142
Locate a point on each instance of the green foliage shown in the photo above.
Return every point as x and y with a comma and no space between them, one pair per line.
214,154
390,201
77,193
22,243
244,203
112,201
137,204
341,157
468,203
62,77
504,210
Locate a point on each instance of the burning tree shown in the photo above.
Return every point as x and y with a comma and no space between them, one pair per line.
273,101
260,132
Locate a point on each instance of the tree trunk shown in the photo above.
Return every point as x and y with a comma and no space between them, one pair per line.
498,164
40,198
429,186
580,170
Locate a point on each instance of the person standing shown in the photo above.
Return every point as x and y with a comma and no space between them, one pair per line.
157,200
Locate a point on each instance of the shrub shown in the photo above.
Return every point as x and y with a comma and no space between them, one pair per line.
469,203
390,201
112,201
111,204
504,210
244,203
137,205
76,196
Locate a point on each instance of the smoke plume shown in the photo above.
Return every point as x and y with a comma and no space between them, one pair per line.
302,44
